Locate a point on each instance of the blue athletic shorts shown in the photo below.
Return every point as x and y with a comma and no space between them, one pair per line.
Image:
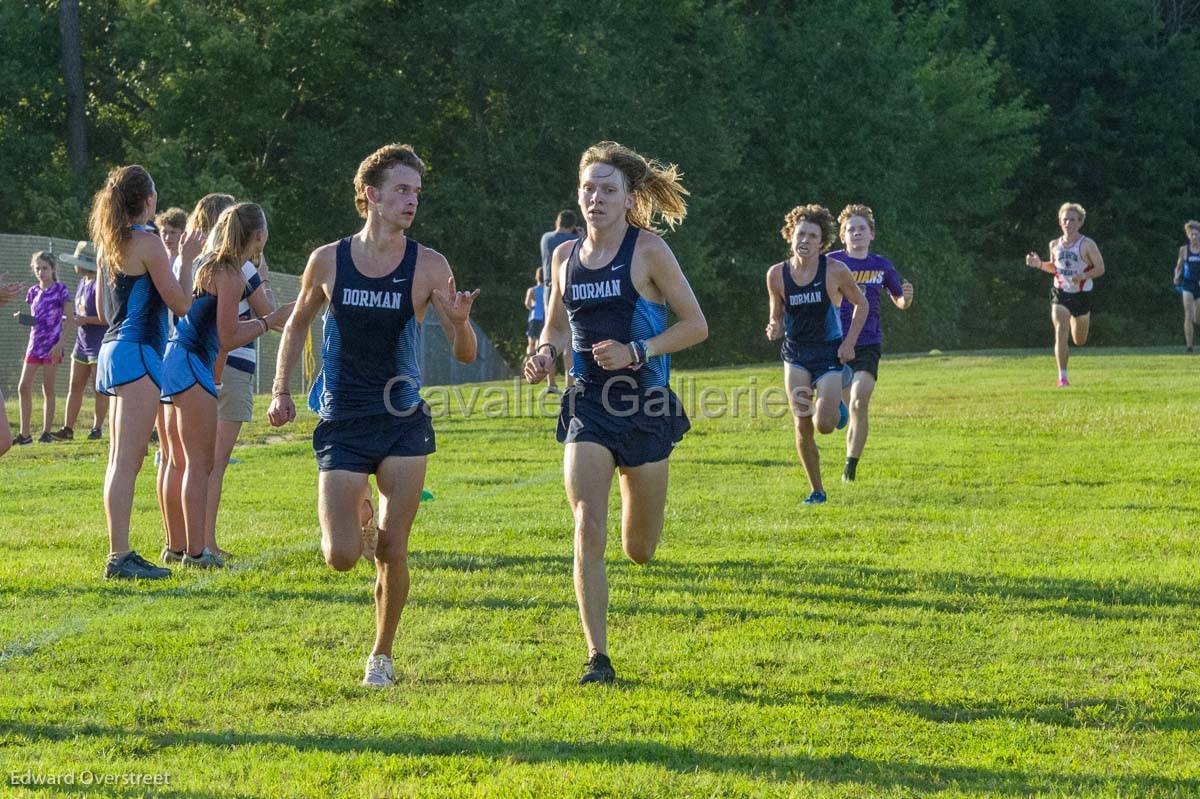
183,369
361,444
636,427
1190,286
817,359
122,362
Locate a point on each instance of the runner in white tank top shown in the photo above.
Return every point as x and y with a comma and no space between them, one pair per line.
1075,263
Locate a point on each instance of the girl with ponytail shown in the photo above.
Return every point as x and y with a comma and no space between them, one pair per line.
169,482
609,296
210,326
141,289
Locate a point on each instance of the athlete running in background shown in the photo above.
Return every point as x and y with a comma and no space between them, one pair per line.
609,296
805,292
378,284
1075,262
535,301
872,272
1187,279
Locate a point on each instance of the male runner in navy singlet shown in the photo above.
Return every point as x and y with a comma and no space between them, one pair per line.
378,284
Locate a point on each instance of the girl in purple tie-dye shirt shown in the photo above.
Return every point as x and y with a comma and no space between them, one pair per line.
49,303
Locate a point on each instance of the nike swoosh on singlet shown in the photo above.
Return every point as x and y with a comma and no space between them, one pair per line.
399,279
618,266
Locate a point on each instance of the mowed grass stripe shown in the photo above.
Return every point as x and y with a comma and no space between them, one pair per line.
1003,605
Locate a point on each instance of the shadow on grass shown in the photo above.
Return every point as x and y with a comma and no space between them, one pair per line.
1072,713
843,769
854,583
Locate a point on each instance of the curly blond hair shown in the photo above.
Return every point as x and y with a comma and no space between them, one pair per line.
370,171
857,210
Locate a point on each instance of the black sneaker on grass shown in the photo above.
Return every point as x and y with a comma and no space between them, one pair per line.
21,441
46,438
132,566
95,434
63,434
599,669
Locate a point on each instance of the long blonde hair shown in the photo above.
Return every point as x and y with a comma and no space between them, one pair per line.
657,190
231,238
208,209
119,201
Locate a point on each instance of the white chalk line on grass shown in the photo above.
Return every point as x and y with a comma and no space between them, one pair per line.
74,626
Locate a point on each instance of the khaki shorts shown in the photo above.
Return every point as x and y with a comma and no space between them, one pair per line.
235,402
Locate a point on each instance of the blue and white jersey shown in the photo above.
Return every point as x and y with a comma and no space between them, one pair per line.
603,304
245,359
1191,264
809,318
371,345
196,331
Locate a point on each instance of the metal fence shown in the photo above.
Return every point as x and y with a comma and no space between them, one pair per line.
438,367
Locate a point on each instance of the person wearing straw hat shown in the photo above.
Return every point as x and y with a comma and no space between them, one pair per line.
90,329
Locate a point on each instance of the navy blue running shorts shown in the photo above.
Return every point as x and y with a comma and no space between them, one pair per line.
361,444
817,359
637,428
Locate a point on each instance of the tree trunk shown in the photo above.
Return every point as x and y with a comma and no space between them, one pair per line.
68,26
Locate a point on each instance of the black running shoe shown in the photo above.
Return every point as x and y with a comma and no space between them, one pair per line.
95,434
21,441
599,669
132,566
63,434
46,438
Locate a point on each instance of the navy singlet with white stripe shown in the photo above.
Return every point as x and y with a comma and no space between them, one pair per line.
371,343
809,316
604,304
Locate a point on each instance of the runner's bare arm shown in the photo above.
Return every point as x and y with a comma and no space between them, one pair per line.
775,295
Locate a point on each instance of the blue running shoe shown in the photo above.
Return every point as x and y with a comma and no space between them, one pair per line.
815,498
843,415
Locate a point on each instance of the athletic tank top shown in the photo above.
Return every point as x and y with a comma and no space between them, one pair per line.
138,312
1191,264
1069,263
809,318
197,330
604,304
538,311
371,342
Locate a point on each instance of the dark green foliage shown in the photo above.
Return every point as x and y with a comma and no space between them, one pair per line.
963,124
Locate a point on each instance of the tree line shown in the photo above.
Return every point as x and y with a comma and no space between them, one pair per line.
963,124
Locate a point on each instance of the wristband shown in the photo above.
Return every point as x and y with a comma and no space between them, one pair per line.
638,348
275,394
266,326
553,350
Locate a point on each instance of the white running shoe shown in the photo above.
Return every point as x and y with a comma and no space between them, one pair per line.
380,673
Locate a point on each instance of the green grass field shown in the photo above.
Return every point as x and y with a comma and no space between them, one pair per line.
1004,604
